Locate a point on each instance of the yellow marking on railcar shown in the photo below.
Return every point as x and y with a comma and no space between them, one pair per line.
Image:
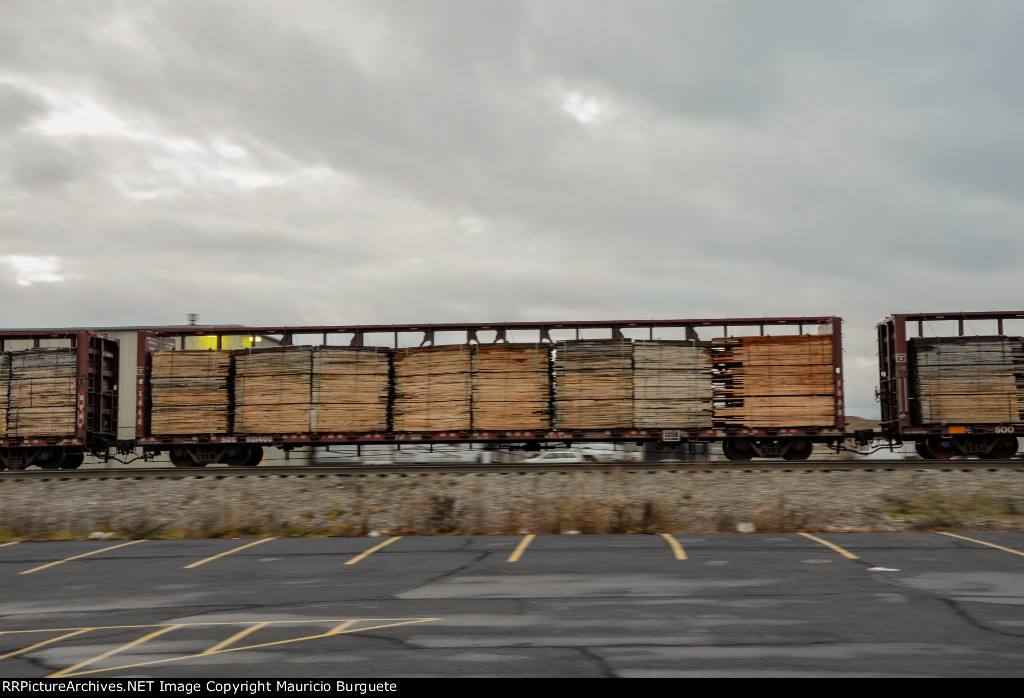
521,548
228,552
844,553
76,557
981,542
677,549
372,550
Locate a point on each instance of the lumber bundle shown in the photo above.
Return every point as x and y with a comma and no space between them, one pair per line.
43,394
768,382
190,392
967,380
350,387
671,385
5,390
272,390
433,389
594,384
511,387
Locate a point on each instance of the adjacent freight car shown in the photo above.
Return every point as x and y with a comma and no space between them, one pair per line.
951,390
58,397
768,387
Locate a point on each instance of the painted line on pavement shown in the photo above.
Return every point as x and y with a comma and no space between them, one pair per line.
844,553
372,550
228,552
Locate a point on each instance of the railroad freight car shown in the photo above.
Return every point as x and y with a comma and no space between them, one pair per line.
768,387
58,397
953,383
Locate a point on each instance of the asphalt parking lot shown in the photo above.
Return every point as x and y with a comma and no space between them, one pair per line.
821,604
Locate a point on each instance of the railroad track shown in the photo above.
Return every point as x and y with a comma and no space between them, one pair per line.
220,472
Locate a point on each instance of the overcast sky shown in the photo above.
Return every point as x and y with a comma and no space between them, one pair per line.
300,162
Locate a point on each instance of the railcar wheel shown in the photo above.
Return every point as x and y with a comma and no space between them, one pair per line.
799,449
180,458
1005,447
72,461
255,456
922,450
49,458
737,449
236,456
940,448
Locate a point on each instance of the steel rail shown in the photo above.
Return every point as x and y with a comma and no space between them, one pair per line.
222,472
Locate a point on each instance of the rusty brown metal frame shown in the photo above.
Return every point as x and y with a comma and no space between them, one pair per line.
151,339
91,399
894,392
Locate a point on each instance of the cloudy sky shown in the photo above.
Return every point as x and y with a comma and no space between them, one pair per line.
335,162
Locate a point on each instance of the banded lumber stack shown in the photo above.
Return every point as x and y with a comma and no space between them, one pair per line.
511,387
350,388
272,390
594,384
671,385
42,398
784,381
433,388
965,380
5,390
191,392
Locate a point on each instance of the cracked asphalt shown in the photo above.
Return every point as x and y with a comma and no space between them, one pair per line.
780,605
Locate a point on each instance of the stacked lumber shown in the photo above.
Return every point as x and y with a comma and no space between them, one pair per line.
671,385
272,390
43,397
766,382
350,389
594,384
190,392
511,387
433,389
967,380
5,390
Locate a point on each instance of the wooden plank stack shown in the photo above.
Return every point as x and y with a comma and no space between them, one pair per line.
671,385
967,380
43,393
433,389
5,390
272,390
191,392
511,387
350,389
38,393
594,384
784,381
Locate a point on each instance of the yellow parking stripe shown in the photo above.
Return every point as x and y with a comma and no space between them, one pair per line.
44,643
521,548
676,548
981,542
340,629
839,550
146,638
372,550
76,557
228,552
237,636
